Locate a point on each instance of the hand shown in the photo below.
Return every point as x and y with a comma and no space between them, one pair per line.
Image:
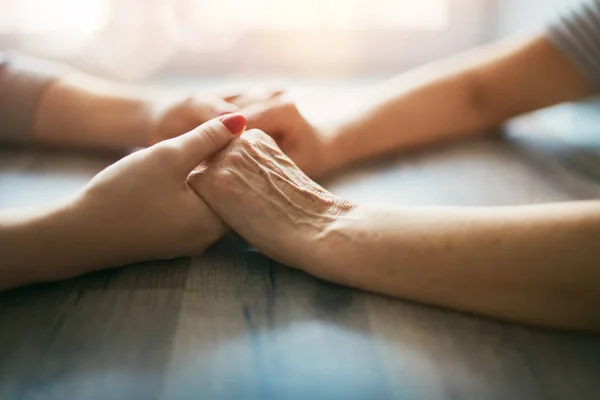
308,146
262,195
173,117
177,116
141,208
85,112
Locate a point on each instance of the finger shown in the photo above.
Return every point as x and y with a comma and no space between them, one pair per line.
254,95
222,107
207,139
231,97
272,116
203,109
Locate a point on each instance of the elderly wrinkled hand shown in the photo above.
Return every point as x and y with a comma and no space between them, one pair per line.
308,145
262,195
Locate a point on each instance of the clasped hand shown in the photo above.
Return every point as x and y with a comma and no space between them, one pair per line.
179,196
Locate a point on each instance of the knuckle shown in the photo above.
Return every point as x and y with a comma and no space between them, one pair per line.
259,139
197,176
215,179
254,136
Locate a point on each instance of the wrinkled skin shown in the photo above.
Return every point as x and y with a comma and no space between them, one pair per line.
263,195
306,144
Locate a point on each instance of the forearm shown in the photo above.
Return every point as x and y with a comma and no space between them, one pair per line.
536,265
40,245
70,238
83,111
420,107
464,95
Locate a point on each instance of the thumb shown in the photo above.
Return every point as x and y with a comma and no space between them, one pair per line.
199,144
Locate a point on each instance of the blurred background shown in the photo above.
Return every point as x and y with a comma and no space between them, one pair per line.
140,39
204,45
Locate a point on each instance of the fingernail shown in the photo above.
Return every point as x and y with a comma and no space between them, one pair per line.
235,123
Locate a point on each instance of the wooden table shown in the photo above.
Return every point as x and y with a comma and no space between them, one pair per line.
233,324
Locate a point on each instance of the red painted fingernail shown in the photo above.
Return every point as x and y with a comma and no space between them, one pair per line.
235,123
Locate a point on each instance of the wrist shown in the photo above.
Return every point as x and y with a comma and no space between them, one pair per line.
342,143
329,246
339,244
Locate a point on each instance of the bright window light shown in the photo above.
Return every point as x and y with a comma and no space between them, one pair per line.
318,14
347,14
413,14
61,16
88,16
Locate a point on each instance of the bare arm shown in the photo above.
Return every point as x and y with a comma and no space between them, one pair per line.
531,264
465,95
42,101
44,245
50,103
80,110
104,226
468,94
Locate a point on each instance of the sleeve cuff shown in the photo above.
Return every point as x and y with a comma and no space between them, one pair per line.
577,35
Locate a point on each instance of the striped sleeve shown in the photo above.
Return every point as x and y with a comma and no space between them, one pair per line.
22,80
577,35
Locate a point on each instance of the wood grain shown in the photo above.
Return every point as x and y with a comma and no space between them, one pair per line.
233,324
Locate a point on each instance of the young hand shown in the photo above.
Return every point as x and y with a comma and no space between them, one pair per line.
139,208
175,116
83,111
145,198
172,117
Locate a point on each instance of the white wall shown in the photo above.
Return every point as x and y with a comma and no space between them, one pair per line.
521,15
